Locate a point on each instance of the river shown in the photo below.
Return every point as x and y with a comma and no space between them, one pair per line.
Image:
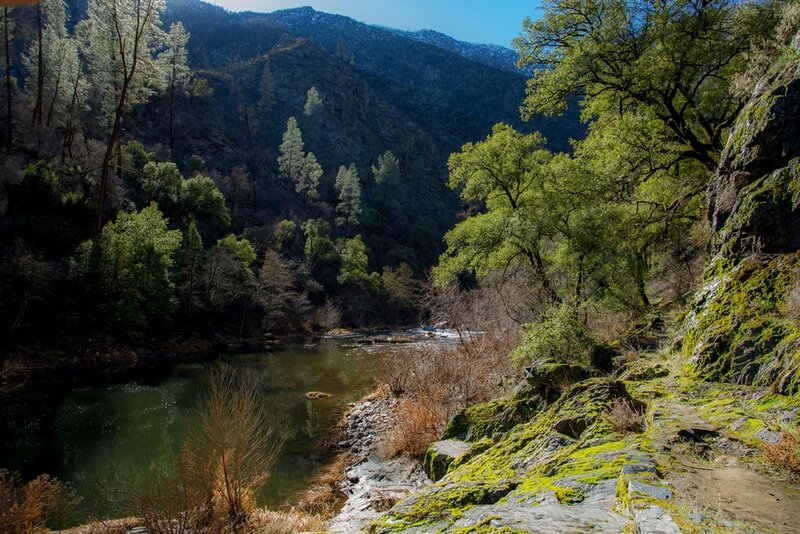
100,439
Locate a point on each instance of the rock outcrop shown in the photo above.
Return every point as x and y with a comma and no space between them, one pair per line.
562,470
741,327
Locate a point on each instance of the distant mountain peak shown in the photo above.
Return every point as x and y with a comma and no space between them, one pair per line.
499,57
490,54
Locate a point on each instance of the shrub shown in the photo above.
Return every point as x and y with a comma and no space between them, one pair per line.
624,418
226,457
559,336
28,508
418,422
785,454
436,382
231,449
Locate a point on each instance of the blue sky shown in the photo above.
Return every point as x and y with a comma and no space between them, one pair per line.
479,21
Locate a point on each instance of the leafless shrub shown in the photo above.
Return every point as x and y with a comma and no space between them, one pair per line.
785,454
501,301
226,457
436,382
327,317
624,418
419,422
229,451
28,508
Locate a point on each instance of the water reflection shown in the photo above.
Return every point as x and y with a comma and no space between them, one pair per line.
102,438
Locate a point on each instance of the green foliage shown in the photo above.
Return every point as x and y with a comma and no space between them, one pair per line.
180,198
313,103
301,169
201,195
354,268
229,272
349,188
134,256
560,336
283,232
292,155
508,174
672,61
319,246
162,181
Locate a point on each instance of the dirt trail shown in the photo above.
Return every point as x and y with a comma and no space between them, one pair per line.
710,471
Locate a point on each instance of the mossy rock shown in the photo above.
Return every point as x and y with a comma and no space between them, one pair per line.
441,454
531,463
547,374
498,416
738,330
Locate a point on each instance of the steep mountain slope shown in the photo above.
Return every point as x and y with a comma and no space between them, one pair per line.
454,98
489,54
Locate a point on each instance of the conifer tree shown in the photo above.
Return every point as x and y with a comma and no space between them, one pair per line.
313,103
177,72
292,157
349,187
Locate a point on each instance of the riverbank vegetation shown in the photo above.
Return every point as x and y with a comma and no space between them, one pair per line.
563,275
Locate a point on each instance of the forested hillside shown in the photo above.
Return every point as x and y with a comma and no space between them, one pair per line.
209,172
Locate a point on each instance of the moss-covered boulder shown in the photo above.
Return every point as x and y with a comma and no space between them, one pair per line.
497,416
549,374
441,454
738,328
536,469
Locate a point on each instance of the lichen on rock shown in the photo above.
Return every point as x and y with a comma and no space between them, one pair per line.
737,329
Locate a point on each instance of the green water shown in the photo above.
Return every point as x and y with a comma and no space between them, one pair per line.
101,438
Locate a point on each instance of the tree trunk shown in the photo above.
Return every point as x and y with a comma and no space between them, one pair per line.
172,115
109,155
7,39
579,284
640,268
69,129
38,108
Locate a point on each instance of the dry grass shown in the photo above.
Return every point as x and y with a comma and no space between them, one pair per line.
436,382
324,494
785,455
624,418
419,422
28,508
269,522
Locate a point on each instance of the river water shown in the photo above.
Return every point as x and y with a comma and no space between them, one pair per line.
100,439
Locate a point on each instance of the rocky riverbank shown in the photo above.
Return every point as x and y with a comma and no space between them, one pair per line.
372,484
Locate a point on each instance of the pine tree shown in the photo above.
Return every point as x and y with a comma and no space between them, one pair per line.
301,169
292,158
54,67
309,177
349,187
313,103
177,72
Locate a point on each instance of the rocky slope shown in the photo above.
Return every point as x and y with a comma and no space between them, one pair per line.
744,325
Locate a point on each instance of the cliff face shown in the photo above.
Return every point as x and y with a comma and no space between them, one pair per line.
743,326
